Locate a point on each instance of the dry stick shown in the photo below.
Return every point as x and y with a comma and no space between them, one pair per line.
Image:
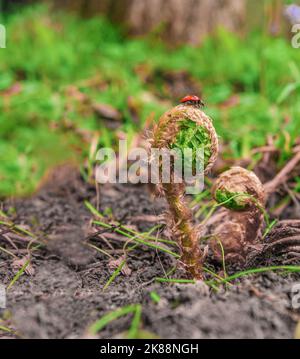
7,237
148,218
290,222
293,240
293,197
293,259
294,249
282,176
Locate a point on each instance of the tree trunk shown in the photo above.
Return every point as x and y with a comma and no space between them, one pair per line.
181,20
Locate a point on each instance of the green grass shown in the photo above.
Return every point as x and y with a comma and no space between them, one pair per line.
133,332
229,279
115,274
218,280
155,297
139,238
134,309
18,274
41,124
5,329
17,229
93,210
130,231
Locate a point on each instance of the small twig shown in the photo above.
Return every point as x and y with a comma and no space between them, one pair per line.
293,197
9,240
113,228
290,223
148,218
4,231
100,250
107,242
264,149
8,252
293,240
283,175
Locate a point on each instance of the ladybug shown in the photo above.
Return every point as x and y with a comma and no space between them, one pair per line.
192,100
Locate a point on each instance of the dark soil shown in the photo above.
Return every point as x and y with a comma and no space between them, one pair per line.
65,293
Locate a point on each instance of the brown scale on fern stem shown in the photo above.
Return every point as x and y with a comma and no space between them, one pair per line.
181,222
239,226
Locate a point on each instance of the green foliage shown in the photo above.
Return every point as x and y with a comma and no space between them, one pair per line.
297,186
250,85
235,201
195,138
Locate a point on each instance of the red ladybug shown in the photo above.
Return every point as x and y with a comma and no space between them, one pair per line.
192,101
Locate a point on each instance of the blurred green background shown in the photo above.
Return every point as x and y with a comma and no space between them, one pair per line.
72,81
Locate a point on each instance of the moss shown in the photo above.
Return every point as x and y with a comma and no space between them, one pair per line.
194,137
232,200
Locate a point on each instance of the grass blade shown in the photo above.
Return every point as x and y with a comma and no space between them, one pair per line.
114,275
135,324
93,210
155,297
5,329
2,214
18,275
111,316
136,239
100,250
292,269
8,252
